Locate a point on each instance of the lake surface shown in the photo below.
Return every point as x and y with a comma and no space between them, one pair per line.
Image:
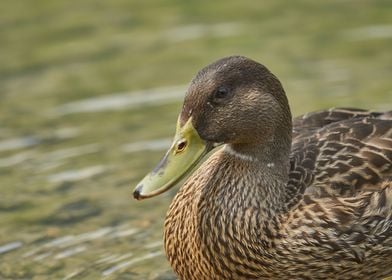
89,96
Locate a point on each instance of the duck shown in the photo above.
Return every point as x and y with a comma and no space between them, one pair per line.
268,196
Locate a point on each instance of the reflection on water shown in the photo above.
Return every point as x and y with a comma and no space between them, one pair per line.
18,143
10,246
147,145
195,31
77,174
58,157
121,101
16,159
370,32
130,262
71,245
111,250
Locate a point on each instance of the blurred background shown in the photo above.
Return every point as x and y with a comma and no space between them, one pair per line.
90,92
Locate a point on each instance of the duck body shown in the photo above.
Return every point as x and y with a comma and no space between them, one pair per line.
330,227
303,198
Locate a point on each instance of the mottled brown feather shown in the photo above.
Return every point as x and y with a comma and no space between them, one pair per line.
329,217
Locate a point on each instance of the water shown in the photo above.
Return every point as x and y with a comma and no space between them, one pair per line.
89,97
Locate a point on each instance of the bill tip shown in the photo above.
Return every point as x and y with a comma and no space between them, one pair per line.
137,193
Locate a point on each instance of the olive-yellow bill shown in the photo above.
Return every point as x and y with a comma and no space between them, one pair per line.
186,151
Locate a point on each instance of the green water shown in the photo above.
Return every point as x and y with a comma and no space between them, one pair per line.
90,91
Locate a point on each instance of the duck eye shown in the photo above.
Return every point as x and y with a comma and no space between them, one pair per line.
181,146
221,93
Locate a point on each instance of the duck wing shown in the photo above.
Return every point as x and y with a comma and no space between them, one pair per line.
339,192
340,152
312,121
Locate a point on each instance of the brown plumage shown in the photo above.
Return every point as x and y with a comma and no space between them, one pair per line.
304,199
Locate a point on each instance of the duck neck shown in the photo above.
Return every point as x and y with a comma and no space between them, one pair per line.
273,152
269,166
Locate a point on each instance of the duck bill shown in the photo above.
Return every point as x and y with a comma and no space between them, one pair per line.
184,154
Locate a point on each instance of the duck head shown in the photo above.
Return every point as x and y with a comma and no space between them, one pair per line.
234,101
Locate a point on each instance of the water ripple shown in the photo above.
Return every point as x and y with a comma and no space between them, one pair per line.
18,143
121,101
10,247
122,265
147,145
370,32
77,174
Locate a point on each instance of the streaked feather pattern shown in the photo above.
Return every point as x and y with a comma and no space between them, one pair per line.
309,198
335,220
